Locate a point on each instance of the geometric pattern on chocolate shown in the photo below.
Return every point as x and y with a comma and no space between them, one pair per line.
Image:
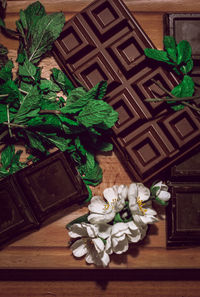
105,42
183,127
147,147
183,214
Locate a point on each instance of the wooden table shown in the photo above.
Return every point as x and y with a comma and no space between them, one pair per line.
41,264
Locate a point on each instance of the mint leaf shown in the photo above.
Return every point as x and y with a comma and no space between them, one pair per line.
33,13
62,80
48,85
3,55
6,156
23,19
31,101
45,122
49,28
60,142
184,89
3,172
96,112
177,107
184,52
35,141
91,175
170,46
188,67
98,91
68,121
6,71
157,55
10,88
27,69
106,146
3,113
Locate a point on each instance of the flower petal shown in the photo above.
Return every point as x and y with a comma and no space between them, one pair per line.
111,195
119,229
149,211
122,192
79,248
143,192
108,247
105,259
164,195
148,219
98,244
77,230
121,246
94,218
91,230
97,205
104,230
132,194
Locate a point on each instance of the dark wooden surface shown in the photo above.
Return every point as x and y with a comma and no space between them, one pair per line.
41,263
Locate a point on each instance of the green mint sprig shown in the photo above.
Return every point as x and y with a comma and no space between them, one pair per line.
179,57
33,110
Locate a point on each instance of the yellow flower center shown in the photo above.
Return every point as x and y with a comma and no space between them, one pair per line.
140,205
113,202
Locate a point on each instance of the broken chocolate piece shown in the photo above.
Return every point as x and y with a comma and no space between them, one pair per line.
183,215
36,193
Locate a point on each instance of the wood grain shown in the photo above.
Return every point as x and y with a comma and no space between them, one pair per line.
133,5
47,249
97,289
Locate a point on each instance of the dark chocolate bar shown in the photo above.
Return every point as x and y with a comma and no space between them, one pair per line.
183,211
36,193
104,42
183,214
188,170
186,26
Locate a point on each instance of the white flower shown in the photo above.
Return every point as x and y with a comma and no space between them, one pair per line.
104,210
121,235
142,212
161,191
89,244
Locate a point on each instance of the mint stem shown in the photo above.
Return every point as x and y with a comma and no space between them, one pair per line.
8,116
4,95
46,111
14,125
175,98
22,91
